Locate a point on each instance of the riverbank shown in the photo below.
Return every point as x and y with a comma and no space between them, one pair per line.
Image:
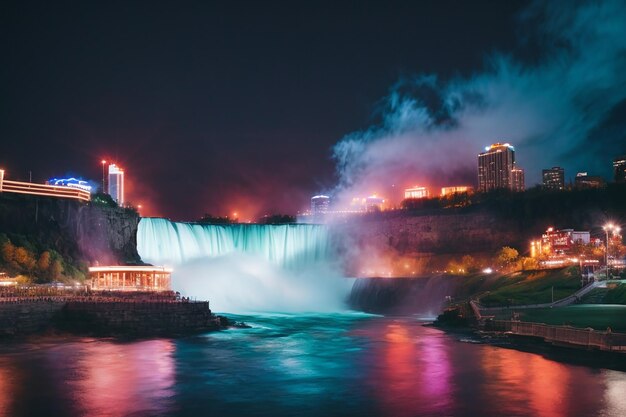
119,314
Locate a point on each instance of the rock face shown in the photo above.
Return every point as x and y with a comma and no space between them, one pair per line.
441,233
79,231
106,234
424,295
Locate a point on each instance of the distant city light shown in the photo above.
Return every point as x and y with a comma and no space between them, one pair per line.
70,182
116,184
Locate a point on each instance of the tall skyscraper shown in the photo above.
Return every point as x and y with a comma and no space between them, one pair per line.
497,169
619,169
553,178
320,204
116,184
517,179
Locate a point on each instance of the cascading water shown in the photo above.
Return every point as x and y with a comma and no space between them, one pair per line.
247,267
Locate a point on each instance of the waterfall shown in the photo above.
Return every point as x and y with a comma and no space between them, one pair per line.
248,267
161,241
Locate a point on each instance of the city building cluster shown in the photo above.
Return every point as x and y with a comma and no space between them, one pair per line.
557,248
497,169
72,188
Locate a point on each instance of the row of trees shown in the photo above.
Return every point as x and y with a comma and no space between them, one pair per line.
505,260
37,266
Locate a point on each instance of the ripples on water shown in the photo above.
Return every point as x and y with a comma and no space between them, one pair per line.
347,364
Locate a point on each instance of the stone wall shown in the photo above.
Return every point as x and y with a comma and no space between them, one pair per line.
23,318
106,318
137,319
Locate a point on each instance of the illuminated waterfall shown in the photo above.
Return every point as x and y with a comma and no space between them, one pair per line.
248,267
162,242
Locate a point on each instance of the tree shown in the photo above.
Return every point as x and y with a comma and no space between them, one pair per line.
24,258
56,270
528,264
43,266
8,252
470,264
506,257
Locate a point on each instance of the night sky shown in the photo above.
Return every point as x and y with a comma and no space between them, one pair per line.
215,107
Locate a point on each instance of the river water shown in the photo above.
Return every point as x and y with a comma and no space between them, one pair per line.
315,365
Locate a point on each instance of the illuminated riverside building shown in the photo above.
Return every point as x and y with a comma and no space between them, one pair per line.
44,190
619,169
497,169
374,203
116,184
553,178
456,190
130,278
416,192
320,204
558,242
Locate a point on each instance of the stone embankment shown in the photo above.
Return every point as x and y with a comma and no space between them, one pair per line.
104,314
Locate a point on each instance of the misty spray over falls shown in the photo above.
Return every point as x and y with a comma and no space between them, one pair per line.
248,268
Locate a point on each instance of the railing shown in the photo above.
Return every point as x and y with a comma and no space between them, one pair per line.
590,338
45,190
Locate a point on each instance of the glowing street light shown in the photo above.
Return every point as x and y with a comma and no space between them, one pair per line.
615,230
103,162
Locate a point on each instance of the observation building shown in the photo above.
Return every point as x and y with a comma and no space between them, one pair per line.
130,278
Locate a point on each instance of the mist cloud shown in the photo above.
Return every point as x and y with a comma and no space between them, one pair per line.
553,101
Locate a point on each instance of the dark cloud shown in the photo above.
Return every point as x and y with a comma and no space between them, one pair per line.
565,106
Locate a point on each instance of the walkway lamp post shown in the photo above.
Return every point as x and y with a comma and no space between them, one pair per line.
615,230
103,162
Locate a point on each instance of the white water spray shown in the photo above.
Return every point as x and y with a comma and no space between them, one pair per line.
247,268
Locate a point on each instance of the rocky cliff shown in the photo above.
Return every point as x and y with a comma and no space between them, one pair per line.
78,231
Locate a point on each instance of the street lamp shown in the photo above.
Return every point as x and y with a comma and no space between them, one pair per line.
103,162
615,229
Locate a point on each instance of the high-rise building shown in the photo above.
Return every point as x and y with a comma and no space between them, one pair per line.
116,184
553,178
584,181
619,169
497,169
517,179
416,192
320,204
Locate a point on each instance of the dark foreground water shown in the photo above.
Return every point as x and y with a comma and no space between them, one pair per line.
305,366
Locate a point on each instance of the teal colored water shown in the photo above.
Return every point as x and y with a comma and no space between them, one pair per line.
312,365
248,267
161,241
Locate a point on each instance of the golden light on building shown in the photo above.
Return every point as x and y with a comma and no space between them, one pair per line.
130,278
416,192
457,189
44,190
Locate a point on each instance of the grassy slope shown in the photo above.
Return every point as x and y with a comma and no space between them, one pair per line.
531,287
596,316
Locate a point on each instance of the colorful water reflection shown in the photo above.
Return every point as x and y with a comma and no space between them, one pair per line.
313,366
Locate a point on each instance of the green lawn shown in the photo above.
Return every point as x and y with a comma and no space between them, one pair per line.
596,316
533,287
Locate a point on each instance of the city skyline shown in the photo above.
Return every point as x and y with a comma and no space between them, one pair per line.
223,112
